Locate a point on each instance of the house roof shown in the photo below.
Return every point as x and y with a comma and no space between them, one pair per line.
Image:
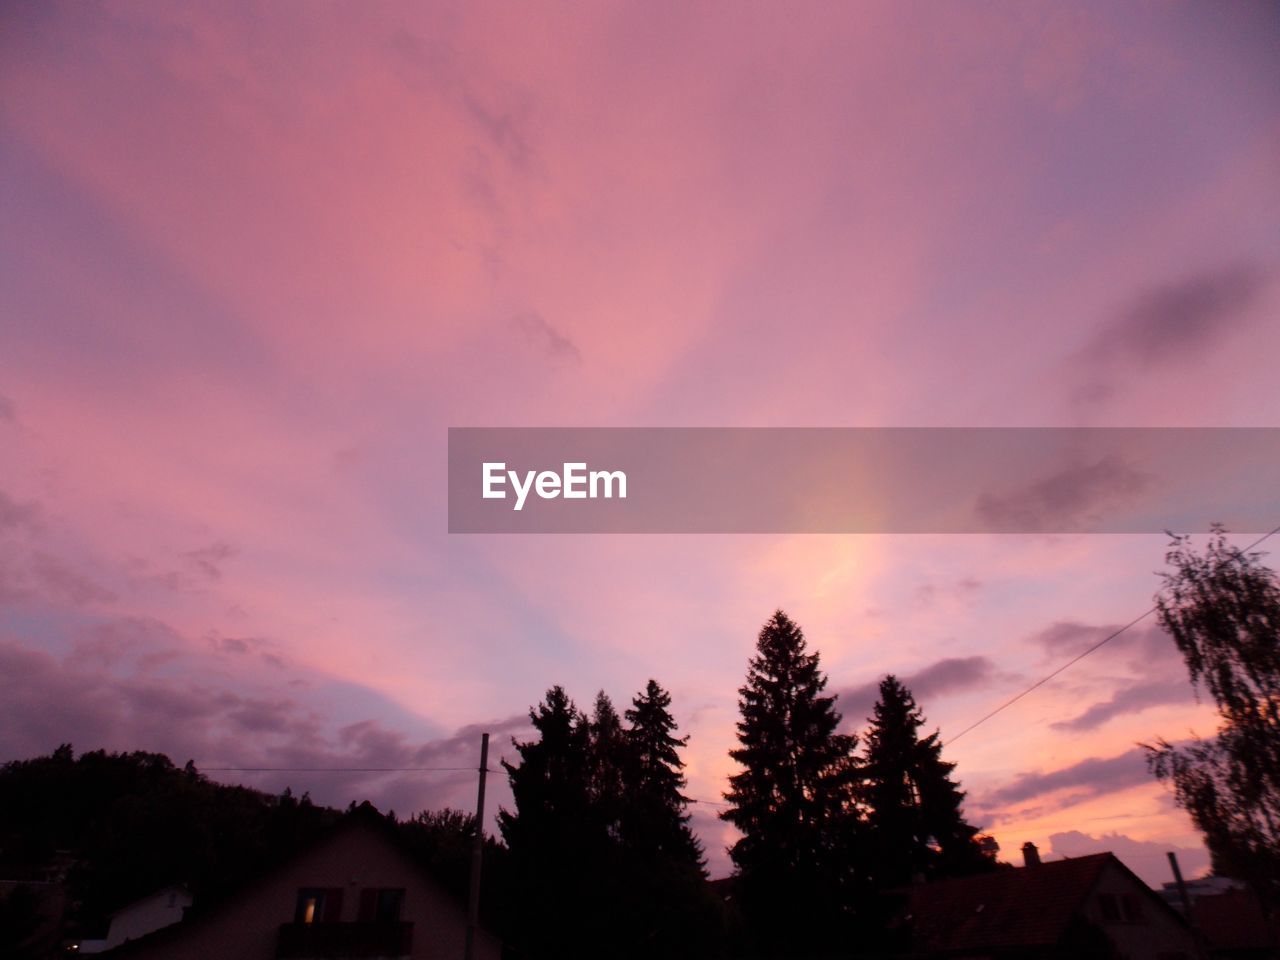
1023,907
1234,921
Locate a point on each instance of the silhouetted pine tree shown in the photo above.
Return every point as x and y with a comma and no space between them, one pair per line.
608,761
600,850
658,820
793,799
555,846
914,817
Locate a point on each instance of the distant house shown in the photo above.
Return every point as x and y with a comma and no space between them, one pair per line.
1235,927
353,894
1090,906
146,915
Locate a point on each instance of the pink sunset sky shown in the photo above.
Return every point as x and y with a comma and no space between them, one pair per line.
257,260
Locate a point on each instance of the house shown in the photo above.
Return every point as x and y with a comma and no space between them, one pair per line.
1235,927
354,893
150,913
1090,906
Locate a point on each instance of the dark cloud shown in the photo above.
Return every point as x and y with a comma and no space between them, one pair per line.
1068,638
945,676
15,515
133,642
1092,777
1130,699
1183,317
1145,648
1147,859
61,582
102,696
1176,320
545,337
964,589
1072,499
208,560
13,585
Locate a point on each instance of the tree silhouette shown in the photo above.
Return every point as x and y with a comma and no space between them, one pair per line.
1222,608
915,823
793,799
658,820
550,833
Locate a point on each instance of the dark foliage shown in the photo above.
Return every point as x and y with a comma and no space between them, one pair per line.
133,823
1222,608
794,800
599,843
916,827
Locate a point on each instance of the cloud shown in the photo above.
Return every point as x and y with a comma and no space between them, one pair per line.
1179,319
208,560
1091,777
1149,860
45,701
1131,699
65,584
15,515
1071,499
8,411
1146,646
949,675
545,337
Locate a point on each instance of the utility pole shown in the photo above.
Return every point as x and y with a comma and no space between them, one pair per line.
477,856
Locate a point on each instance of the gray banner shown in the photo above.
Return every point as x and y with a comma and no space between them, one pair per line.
862,480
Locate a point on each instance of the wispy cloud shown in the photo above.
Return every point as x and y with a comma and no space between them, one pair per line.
1070,499
541,334
1180,319
18,515
945,676
1129,699
1091,777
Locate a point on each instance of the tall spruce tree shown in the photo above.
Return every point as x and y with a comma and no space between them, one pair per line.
659,821
793,799
915,819
556,847
608,766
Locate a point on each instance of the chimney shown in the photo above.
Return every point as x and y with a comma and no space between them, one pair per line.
1030,855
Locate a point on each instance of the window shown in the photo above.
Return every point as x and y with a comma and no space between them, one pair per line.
318,905
381,904
1131,908
1110,909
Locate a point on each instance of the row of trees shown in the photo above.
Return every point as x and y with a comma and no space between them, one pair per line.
828,823
600,842
825,828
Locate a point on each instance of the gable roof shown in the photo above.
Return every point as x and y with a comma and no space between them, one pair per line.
1020,907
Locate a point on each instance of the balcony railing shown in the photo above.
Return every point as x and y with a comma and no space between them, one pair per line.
344,941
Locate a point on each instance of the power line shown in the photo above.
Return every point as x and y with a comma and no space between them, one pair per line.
1080,656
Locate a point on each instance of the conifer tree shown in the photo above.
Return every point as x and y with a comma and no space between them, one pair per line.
792,801
551,833
608,762
915,819
659,820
